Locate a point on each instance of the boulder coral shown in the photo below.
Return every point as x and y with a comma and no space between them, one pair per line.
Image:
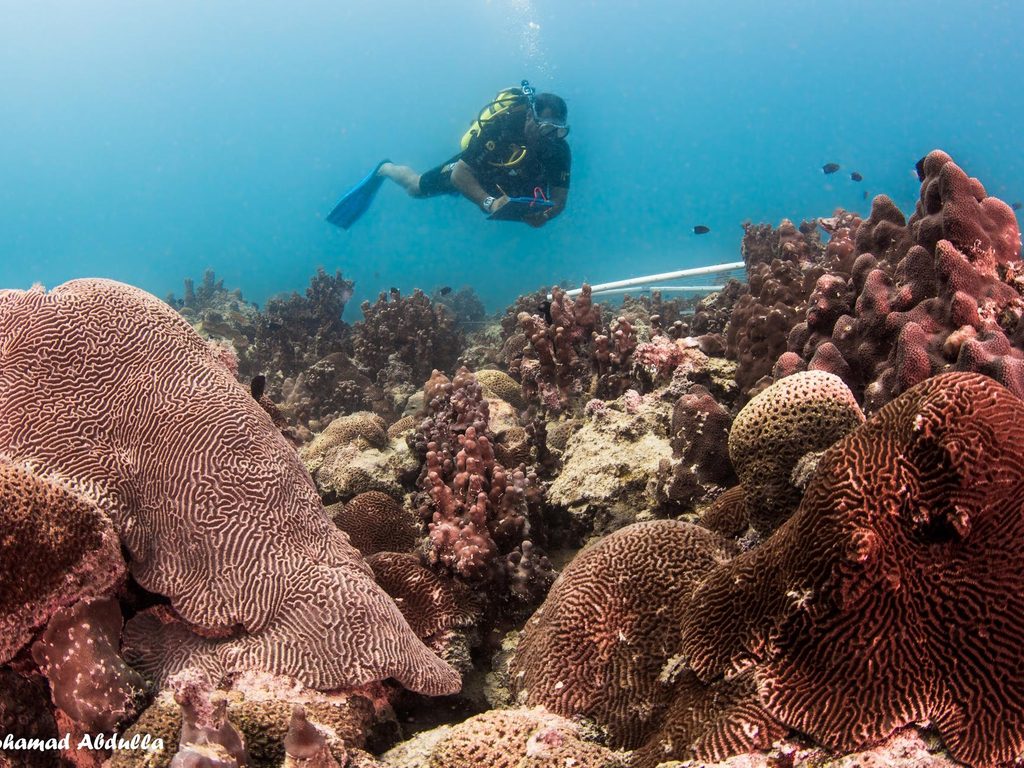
375,522
797,415
894,594
109,388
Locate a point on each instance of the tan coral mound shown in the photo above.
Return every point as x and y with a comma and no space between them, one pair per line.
802,413
519,739
502,386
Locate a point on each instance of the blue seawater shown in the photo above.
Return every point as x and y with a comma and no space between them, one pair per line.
150,141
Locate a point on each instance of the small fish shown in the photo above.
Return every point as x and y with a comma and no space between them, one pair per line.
1015,206
545,309
865,194
700,229
856,176
446,290
828,168
919,167
257,386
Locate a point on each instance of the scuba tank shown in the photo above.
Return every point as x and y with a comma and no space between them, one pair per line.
508,101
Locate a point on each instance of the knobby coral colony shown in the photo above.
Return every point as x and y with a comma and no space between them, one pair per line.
835,450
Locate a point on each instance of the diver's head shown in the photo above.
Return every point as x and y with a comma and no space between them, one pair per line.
547,119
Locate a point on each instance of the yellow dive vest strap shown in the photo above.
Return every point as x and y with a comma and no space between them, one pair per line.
507,100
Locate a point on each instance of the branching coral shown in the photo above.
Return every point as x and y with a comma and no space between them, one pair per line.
477,511
412,329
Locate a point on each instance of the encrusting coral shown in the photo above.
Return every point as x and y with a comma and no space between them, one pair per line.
212,506
89,681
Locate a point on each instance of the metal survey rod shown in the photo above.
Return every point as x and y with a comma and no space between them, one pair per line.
664,289
648,279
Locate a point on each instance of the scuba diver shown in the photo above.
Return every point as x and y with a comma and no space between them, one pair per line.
514,164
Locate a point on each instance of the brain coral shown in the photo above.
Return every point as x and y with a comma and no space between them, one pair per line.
520,739
55,548
805,412
598,645
895,593
375,522
109,387
502,386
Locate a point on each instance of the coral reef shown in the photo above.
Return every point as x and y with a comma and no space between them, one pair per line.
212,506
898,571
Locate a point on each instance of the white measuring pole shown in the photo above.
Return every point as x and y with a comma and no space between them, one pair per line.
664,289
647,280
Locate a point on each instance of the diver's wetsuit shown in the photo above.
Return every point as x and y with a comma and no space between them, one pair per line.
494,157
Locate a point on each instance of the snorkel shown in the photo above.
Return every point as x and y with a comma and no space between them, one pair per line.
545,126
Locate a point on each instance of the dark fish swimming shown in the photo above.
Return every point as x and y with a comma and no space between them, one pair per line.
1015,206
700,229
828,168
446,290
545,309
919,167
257,386
856,176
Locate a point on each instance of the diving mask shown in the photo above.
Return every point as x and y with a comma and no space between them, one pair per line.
551,127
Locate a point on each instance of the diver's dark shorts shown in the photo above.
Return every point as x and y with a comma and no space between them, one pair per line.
438,181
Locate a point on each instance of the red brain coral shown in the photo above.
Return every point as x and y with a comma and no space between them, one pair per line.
375,522
895,593
599,644
110,388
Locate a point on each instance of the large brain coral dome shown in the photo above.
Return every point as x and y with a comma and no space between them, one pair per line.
895,593
108,388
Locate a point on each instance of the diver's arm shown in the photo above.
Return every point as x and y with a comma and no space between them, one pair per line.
466,182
